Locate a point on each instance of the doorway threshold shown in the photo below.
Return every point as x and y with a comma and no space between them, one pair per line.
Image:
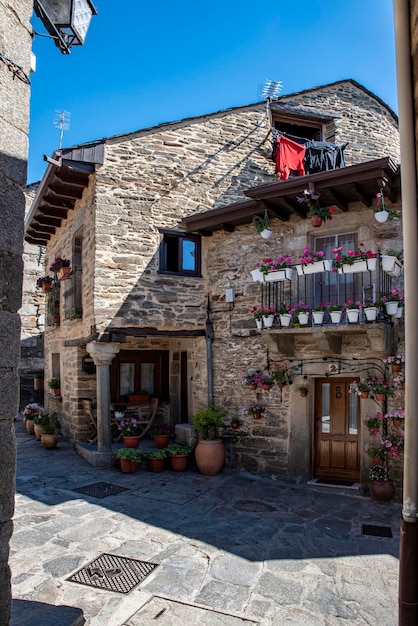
339,485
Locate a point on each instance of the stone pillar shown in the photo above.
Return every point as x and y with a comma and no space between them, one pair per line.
103,355
15,44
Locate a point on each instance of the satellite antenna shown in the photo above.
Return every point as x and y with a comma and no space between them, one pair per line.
62,121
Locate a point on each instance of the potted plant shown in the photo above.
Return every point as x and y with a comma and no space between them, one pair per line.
262,225
156,460
50,425
303,390
278,269
379,387
361,388
380,484
284,314
257,411
374,424
54,385
301,311
397,417
31,411
353,261
317,213
392,262
382,210
352,310
210,450
393,301
130,431
129,459
312,262
235,423
281,375
61,267
45,283
335,310
162,434
178,455
119,411
396,361
264,316
139,396
370,310
318,313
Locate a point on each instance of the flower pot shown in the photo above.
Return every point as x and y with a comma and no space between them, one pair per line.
156,465
314,268
210,456
396,367
64,273
381,216
353,315
303,318
318,317
57,320
370,313
131,442
257,416
49,441
127,466
161,441
138,399
335,316
30,426
358,266
259,324
234,425
253,386
391,308
268,321
376,460
46,287
380,397
391,265
38,430
399,312
364,395
316,221
119,415
267,387
257,276
279,275
55,392
382,491
285,319
266,233
303,392
397,423
178,462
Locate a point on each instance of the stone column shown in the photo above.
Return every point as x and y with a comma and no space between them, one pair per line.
103,355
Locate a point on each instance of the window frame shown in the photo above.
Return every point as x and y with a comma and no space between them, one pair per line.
180,236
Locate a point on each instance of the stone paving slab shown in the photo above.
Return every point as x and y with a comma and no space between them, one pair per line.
229,547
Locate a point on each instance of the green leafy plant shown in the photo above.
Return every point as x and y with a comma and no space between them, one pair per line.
162,429
54,383
261,223
281,375
131,454
209,420
129,427
348,258
396,253
379,204
157,454
50,423
177,448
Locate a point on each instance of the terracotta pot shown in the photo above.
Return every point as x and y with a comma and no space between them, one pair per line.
127,466
178,462
210,456
64,273
253,387
377,460
46,287
257,416
364,394
49,441
382,491
380,397
402,385
303,392
161,441
266,387
38,431
30,426
131,442
55,392
316,220
397,423
57,319
156,465
138,399
396,367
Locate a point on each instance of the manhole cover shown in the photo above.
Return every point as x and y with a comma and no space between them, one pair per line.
113,573
377,531
254,506
100,490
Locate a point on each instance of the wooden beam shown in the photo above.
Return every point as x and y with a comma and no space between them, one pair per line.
134,331
337,197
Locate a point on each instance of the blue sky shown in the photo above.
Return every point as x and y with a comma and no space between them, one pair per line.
148,63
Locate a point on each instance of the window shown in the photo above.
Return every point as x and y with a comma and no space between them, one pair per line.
73,302
180,254
145,370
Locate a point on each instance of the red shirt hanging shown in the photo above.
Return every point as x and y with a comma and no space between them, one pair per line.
289,156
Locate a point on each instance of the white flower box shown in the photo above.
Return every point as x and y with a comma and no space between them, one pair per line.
314,268
279,275
391,265
257,276
358,266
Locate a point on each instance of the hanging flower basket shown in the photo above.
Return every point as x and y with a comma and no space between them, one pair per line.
316,221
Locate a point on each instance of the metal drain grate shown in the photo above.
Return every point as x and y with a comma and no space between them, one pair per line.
100,490
377,531
113,573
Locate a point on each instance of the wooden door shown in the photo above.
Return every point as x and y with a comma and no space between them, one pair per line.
336,430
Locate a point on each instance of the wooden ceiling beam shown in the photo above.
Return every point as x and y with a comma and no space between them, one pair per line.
47,220
364,199
337,198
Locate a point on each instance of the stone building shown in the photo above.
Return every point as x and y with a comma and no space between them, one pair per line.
158,227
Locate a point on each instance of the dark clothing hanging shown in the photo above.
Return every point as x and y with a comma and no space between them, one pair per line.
323,155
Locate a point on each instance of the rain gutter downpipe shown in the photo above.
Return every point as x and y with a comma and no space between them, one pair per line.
209,352
408,556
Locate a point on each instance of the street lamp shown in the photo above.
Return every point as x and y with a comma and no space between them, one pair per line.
67,21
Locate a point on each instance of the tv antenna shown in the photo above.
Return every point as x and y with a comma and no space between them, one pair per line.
62,121
268,92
